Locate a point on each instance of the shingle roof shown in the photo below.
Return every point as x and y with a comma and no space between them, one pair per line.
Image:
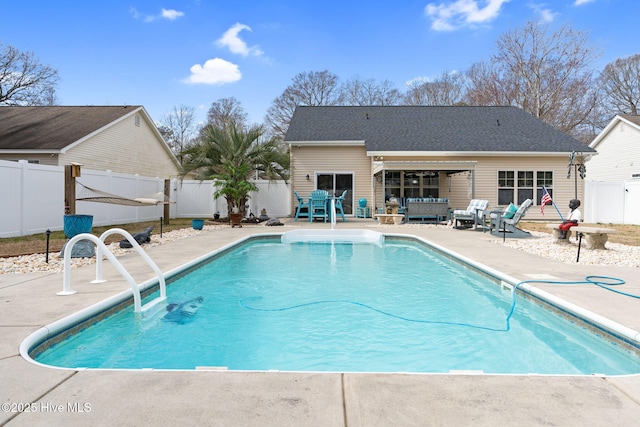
421,128
53,128
635,119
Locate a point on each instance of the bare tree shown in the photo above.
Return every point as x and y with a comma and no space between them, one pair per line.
619,84
225,111
178,128
369,92
448,89
24,80
311,88
547,75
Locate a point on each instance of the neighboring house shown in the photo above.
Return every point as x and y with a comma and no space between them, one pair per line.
501,154
613,176
117,138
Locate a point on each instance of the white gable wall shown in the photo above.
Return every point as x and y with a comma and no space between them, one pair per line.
124,147
618,154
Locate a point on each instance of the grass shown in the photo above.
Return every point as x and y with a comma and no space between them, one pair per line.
36,243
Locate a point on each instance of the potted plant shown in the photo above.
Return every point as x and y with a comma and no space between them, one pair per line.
233,185
231,155
197,224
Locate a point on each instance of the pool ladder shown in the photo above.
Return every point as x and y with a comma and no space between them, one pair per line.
103,250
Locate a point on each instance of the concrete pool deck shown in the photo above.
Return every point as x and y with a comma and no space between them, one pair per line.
66,397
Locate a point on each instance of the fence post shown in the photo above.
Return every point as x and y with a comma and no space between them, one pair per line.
69,190
167,196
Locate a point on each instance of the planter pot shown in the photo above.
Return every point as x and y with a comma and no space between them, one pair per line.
197,224
77,224
236,219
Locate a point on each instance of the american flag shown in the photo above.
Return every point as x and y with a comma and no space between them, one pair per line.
546,198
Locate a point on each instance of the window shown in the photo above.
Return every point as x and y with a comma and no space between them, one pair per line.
392,183
544,179
430,184
137,120
412,183
506,187
525,187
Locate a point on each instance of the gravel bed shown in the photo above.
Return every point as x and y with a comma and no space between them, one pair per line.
36,262
540,244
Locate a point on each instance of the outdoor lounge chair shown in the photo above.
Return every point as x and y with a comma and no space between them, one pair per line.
507,225
301,206
338,205
473,214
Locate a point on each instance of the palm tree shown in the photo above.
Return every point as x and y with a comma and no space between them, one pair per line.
232,155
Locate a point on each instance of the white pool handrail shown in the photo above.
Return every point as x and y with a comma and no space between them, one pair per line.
333,213
103,250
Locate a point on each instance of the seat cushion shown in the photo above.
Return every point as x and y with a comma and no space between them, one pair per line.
510,211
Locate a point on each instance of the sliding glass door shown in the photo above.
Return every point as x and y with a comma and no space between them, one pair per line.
336,183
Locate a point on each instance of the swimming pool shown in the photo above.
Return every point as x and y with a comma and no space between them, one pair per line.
349,307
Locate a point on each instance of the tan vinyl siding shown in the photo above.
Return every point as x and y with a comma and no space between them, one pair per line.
311,160
42,159
618,155
563,188
125,148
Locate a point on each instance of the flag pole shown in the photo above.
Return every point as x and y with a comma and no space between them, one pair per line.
557,210
552,202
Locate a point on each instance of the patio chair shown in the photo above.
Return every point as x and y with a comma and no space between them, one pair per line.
473,214
339,201
508,224
318,205
301,205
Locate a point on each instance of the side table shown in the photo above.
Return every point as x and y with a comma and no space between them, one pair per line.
363,212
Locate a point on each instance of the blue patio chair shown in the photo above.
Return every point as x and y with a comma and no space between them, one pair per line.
339,201
318,205
301,205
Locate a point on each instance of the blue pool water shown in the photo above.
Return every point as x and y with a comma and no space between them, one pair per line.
346,307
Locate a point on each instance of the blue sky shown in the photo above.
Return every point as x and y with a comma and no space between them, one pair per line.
162,54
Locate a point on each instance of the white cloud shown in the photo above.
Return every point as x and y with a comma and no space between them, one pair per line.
459,13
171,14
215,71
581,2
546,15
235,44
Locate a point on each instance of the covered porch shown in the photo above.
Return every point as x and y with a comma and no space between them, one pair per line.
439,181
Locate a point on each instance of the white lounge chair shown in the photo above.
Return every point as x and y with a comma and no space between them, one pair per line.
473,214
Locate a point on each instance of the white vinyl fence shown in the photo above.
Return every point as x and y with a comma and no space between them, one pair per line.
32,198
614,202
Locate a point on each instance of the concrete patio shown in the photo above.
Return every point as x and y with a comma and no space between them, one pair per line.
90,397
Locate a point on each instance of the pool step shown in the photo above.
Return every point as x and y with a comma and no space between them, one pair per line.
153,307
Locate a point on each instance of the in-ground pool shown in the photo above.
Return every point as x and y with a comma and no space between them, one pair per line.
399,306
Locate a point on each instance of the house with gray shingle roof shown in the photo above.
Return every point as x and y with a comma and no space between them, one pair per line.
501,154
117,138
